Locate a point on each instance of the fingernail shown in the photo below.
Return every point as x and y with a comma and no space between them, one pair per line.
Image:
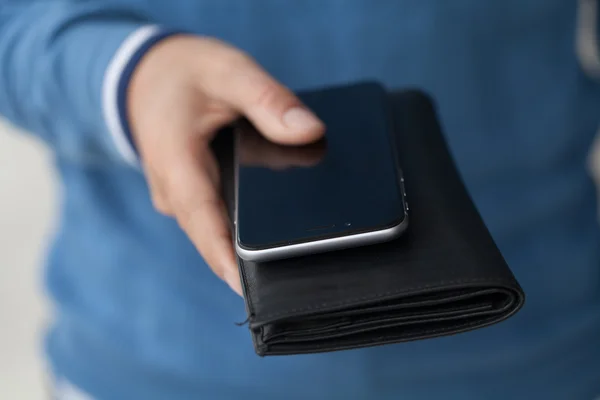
300,119
233,280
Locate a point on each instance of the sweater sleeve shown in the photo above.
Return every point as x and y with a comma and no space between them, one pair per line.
63,66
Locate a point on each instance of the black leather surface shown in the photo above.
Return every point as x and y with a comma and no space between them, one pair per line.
443,276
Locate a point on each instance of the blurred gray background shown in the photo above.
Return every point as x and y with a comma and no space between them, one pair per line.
28,199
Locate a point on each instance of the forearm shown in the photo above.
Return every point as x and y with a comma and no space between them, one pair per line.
56,75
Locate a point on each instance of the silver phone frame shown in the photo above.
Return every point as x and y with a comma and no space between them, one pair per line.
320,245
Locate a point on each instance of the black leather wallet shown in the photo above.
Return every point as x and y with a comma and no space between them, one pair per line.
443,276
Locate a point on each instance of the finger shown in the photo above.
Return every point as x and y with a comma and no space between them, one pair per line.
158,195
194,196
254,150
157,191
277,113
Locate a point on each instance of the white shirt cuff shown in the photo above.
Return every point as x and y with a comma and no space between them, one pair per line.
110,90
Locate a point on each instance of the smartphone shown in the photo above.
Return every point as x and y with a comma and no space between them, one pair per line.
345,191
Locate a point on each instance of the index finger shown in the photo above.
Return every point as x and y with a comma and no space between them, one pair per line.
194,194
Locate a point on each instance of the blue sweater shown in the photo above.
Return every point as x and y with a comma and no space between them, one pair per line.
140,316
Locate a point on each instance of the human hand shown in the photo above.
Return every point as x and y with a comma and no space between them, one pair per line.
254,150
182,91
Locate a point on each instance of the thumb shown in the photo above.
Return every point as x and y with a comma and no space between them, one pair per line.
272,108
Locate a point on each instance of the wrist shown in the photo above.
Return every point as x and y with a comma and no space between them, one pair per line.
116,86
153,77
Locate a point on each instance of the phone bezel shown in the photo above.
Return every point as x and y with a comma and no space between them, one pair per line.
351,237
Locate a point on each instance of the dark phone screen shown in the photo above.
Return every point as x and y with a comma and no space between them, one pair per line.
346,184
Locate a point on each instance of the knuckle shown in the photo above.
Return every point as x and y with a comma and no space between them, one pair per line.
269,96
157,194
275,97
191,212
161,205
176,183
185,217
219,272
184,210
234,62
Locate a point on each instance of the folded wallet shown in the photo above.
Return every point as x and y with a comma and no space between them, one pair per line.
443,276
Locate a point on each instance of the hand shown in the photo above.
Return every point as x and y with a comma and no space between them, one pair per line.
183,90
256,151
